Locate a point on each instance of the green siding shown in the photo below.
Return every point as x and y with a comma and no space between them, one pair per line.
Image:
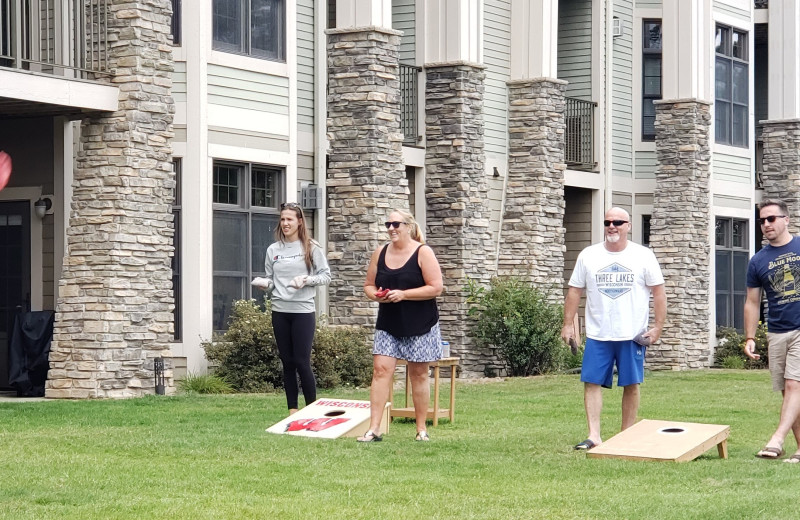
575,47
622,95
179,82
247,89
646,164
305,167
305,65
496,56
404,19
742,14
732,168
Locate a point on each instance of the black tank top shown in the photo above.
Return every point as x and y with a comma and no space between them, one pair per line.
408,317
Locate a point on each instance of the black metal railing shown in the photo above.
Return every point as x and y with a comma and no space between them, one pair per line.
409,103
55,36
579,134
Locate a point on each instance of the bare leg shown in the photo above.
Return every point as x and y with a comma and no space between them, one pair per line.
630,405
382,374
593,402
420,391
292,411
790,414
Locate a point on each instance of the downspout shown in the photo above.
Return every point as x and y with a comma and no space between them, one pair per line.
320,132
607,162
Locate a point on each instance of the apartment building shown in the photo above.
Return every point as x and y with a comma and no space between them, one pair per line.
166,143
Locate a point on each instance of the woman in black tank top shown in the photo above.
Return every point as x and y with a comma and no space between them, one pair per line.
404,277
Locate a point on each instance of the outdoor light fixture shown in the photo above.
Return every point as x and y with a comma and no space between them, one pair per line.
158,374
41,206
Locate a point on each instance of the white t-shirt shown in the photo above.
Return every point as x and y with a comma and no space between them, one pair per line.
617,289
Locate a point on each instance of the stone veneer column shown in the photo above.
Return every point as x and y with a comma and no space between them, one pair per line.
114,311
532,237
456,190
365,177
781,177
680,232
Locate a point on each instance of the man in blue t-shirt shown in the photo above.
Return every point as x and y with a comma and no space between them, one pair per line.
776,270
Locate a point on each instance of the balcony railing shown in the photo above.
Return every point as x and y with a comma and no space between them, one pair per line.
61,37
409,103
578,139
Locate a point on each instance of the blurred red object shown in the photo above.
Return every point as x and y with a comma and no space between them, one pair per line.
5,169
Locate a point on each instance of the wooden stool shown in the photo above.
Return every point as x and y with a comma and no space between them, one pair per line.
435,412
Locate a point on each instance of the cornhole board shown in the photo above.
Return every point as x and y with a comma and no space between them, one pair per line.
330,419
664,441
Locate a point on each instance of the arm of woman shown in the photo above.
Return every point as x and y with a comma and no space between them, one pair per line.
322,273
431,273
369,283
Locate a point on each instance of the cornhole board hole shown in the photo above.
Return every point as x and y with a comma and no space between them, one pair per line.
664,441
330,419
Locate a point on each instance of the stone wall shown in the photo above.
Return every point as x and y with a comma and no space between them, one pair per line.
532,236
365,177
456,191
781,174
680,235
114,311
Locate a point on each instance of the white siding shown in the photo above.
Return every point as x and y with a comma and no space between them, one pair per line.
646,164
575,47
622,97
404,19
648,4
247,89
305,66
737,12
732,168
179,82
497,36
726,201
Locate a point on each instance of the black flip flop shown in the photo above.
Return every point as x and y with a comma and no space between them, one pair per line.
588,444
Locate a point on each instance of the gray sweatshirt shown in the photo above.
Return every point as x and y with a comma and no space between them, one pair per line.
286,260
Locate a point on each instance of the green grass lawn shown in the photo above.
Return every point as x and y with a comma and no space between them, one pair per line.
507,455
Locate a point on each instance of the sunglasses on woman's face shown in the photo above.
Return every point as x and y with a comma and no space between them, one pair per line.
394,224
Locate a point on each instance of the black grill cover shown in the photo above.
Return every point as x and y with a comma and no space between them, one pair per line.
28,352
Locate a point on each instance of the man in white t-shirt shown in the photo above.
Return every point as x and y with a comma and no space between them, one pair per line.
618,277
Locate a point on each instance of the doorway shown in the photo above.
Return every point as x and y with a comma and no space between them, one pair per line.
15,273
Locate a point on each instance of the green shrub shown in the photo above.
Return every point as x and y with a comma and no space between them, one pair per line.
246,355
734,362
204,384
517,319
342,356
730,344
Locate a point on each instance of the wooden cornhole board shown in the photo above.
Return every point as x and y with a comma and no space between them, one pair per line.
331,419
664,441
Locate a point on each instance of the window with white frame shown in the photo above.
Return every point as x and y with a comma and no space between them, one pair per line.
732,255
254,28
246,201
651,76
731,87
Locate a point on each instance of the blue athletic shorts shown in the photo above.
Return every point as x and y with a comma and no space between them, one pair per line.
599,358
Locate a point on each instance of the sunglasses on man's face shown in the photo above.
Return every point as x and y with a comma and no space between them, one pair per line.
394,224
617,223
770,219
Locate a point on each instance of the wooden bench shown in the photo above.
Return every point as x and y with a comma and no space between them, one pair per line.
433,413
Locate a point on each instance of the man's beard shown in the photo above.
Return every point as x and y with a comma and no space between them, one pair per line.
613,238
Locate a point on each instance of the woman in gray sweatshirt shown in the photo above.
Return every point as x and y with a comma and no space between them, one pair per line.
295,265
